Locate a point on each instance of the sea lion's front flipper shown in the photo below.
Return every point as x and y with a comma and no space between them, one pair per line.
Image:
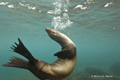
64,54
22,50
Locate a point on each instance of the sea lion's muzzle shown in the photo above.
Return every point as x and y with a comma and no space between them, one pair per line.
49,30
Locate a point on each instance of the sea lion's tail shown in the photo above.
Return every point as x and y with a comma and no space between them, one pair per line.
17,62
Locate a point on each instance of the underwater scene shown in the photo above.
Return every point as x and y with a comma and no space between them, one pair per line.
93,26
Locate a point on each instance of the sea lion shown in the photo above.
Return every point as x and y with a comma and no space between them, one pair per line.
59,70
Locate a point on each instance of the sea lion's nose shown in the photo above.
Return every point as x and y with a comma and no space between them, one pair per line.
49,30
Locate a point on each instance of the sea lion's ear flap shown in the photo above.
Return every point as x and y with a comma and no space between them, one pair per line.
64,54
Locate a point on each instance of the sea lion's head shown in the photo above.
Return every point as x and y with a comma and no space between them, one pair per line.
55,34
59,37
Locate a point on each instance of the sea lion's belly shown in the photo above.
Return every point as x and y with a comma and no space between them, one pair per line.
63,67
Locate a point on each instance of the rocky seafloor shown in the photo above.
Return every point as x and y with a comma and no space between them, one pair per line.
91,73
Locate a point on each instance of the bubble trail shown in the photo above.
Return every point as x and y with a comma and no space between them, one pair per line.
61,18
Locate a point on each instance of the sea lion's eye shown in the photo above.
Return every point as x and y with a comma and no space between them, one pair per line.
53,33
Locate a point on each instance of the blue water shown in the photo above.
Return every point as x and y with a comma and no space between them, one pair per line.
95,31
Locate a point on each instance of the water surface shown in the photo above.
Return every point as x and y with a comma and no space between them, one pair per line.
93,25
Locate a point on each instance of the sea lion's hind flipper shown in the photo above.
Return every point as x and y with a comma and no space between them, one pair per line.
17,62
64,54
22,50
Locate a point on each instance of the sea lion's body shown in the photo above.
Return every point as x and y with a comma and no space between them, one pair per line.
60,69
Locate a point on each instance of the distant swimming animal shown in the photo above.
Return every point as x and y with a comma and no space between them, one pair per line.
59,70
